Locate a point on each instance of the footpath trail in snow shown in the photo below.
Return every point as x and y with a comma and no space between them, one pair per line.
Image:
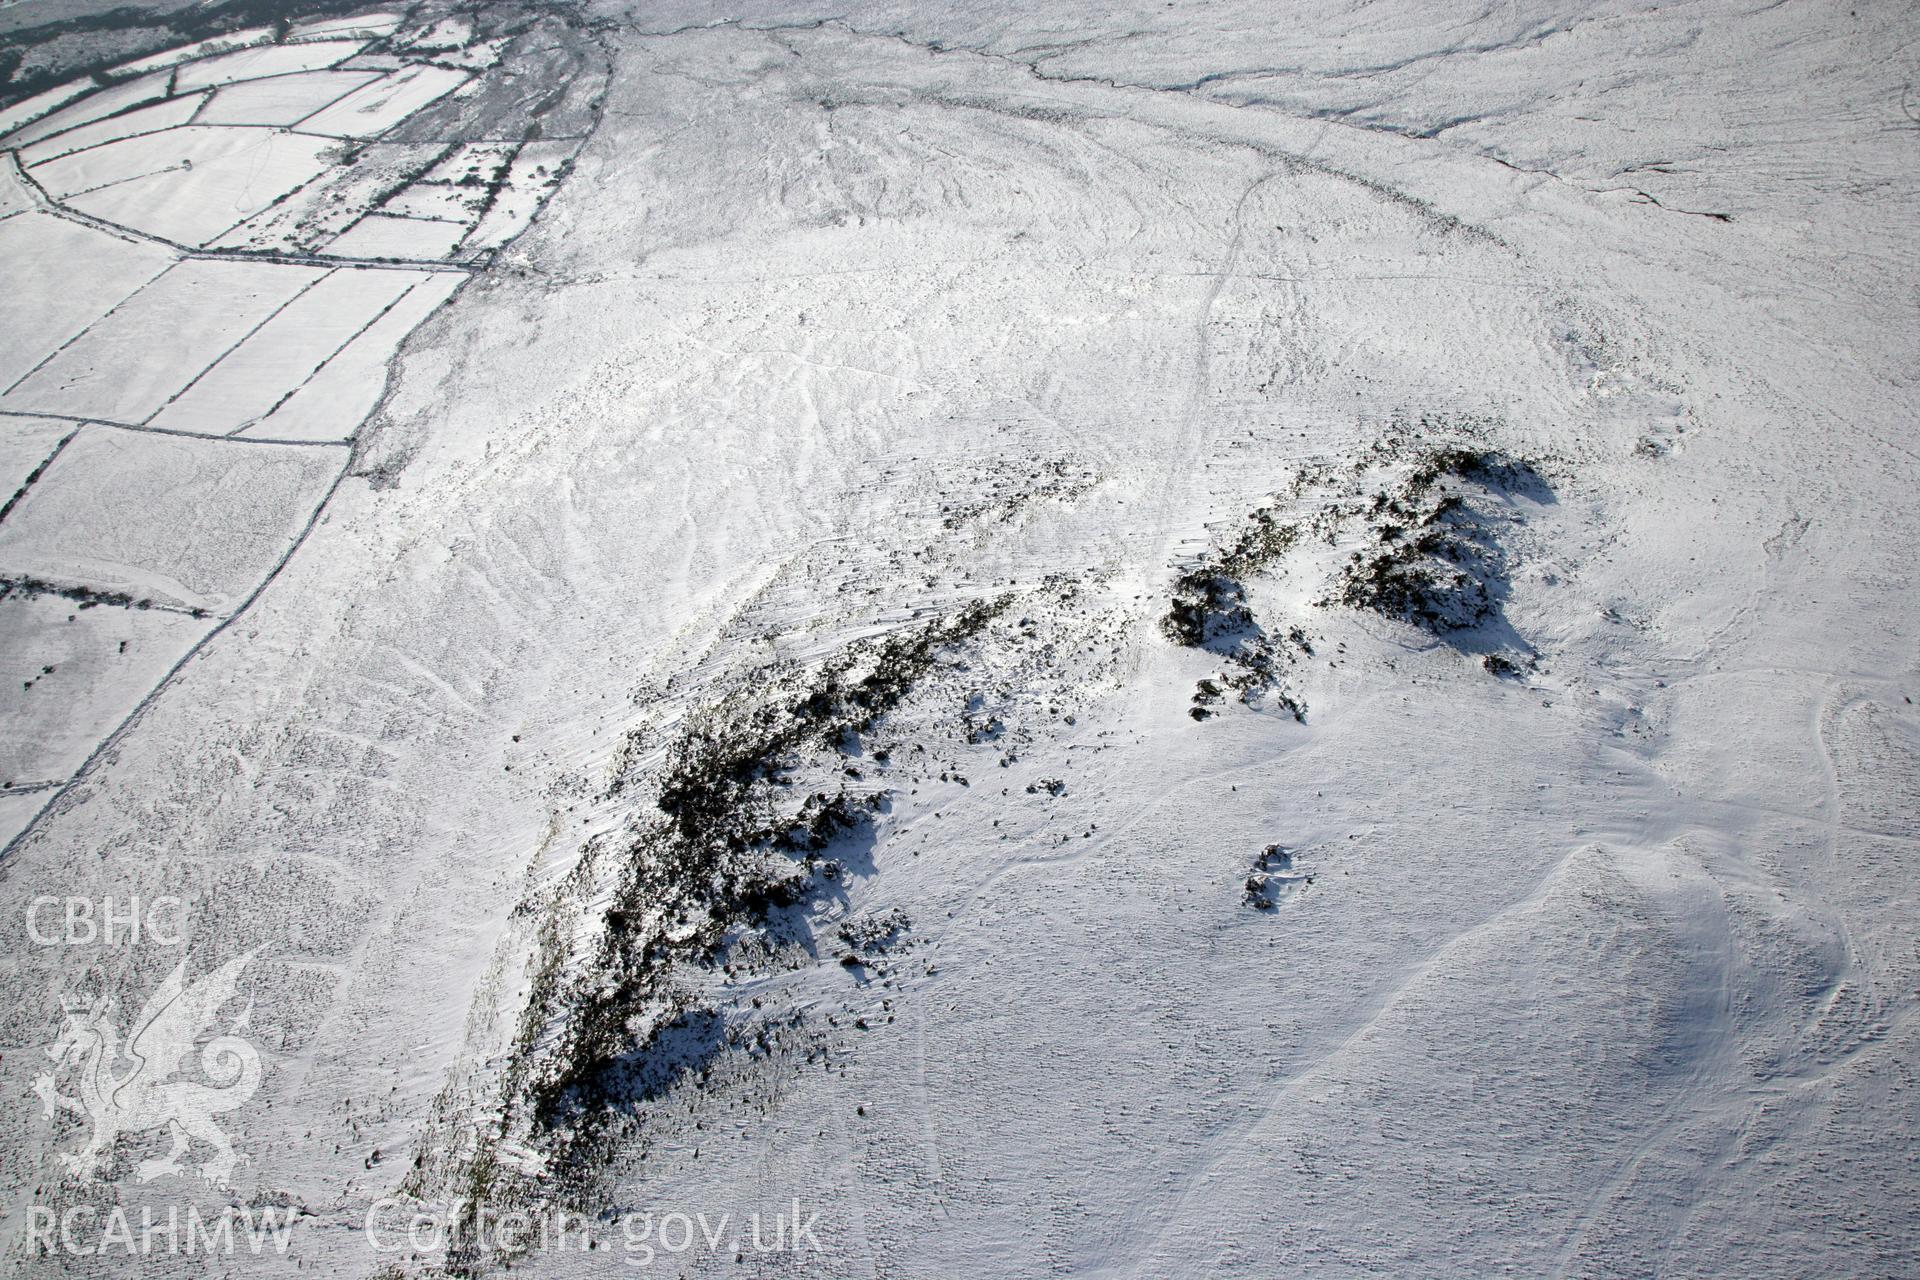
1168,644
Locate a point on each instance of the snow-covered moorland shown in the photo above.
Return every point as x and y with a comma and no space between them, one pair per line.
905,640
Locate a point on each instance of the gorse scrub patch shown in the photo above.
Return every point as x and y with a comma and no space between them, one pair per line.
1423,524
1209,600
29,588
1436,559
1209,610
728,848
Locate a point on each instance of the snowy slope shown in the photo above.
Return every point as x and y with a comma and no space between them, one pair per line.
723,742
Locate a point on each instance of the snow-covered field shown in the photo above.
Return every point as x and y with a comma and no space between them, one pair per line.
1190,641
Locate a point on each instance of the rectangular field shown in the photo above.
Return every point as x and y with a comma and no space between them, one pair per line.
269,60
45,309
412,239
372,110
439,200
204,49
190,184
161,115
68,675
368,25
533,174
329,205
285,352
15,118
95,106
146,350
282,100
184,522
338,398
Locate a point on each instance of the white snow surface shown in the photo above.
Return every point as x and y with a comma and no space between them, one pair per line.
847,316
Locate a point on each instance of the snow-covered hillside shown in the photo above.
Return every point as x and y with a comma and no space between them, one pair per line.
1202,640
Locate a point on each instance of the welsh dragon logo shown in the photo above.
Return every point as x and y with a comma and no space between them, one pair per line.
135,1086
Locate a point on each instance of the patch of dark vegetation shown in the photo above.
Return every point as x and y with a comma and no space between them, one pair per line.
1436,558
1209,600
1505,668
676,1049
729,859
697,1048
982,725
1487,467
1005,491
1432,551
1209,611
872,937
1206,605
1438,578
28,588
1273,879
